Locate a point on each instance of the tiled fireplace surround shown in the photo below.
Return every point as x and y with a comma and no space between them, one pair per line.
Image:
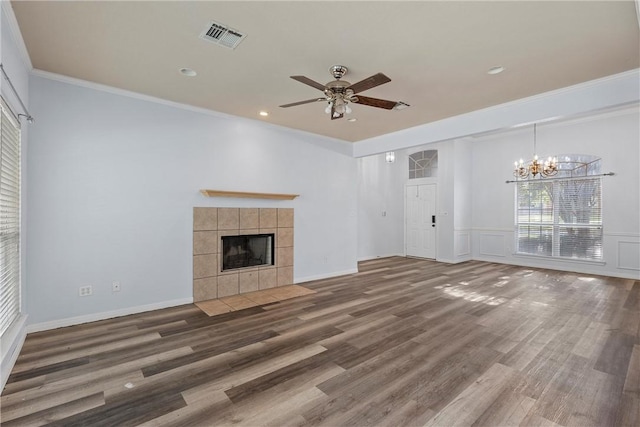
209,224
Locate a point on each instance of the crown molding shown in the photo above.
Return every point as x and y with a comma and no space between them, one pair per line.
332,144
126,93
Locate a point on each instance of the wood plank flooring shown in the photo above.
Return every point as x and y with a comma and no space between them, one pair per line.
405,342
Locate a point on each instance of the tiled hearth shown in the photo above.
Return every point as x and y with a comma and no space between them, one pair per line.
215,307
209,224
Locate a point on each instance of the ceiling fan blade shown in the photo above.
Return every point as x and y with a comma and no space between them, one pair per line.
375,102
308,101
308,81
368,83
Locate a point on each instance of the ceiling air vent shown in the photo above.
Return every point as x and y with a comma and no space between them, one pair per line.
223,35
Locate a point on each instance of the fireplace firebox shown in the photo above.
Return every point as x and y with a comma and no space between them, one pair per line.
249,250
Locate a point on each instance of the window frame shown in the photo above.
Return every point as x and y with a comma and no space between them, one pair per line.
427,170
596,227
10,222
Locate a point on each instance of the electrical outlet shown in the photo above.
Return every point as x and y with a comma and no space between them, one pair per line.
115,287
85,291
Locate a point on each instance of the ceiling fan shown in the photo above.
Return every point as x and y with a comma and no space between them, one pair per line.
339,93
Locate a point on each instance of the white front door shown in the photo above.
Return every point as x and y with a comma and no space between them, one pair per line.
420,219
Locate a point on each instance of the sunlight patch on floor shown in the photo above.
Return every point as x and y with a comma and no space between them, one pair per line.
458,292
500,284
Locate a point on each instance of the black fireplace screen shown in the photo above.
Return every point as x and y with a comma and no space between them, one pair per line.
247,251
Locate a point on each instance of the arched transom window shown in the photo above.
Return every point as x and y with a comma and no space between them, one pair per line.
423,164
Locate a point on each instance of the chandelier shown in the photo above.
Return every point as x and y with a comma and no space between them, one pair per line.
536,167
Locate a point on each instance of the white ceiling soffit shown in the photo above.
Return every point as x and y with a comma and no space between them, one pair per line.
620,91
437,55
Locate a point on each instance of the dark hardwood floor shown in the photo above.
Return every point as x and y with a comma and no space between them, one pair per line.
405,342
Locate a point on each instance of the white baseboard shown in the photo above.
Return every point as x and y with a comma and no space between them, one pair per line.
325,276
370,257
12,342
61,323
454,261
568,267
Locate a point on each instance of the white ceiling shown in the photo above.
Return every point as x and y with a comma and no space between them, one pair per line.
436,53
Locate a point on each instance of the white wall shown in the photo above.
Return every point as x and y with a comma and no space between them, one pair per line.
381,189
453,220
614,137
381,206
462,196
114,179
445,199
476,207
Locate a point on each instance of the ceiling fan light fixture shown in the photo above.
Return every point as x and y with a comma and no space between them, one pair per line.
340,106
339,93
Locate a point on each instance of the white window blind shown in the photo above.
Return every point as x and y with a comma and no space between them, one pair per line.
9,219
560,218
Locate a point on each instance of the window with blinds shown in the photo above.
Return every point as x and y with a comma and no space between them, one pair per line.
9,219
560,218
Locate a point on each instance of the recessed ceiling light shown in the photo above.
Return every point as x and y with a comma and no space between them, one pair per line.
496,70
188,72
263,113
352,119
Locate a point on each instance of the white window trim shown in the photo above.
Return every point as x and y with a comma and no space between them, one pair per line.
11,302
556,226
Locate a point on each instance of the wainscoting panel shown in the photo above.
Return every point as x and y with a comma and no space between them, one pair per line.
629,255
463,243
621,254
492,244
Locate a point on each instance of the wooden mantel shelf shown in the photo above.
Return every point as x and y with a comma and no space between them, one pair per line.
276,196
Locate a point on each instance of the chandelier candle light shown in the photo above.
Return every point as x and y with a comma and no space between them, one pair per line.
545,169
